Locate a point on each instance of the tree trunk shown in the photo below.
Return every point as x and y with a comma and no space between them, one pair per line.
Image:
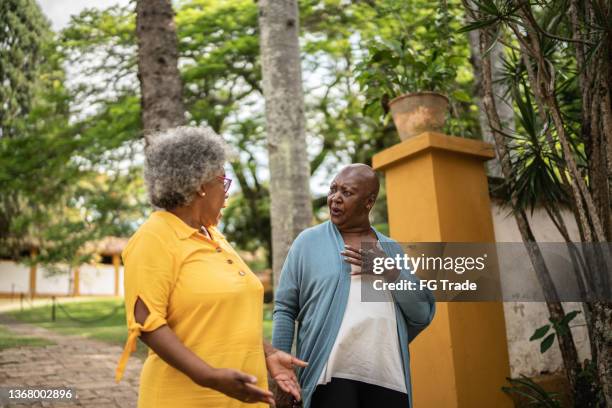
596,83
592,201
602,317
290,208
555,309
503,98
160,83
589,190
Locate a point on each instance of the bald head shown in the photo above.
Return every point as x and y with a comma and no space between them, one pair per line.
351,196
366,177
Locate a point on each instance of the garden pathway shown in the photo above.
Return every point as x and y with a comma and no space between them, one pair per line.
87,366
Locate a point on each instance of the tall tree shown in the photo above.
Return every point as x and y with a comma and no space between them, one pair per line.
290,207
221,72
33,111
555,308
23,28
560,80
58,188
160,83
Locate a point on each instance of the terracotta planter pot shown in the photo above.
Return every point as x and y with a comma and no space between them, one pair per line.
418,112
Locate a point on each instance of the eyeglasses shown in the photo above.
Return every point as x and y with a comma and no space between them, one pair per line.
227,182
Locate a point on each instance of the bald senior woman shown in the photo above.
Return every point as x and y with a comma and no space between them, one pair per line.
188,294
357,350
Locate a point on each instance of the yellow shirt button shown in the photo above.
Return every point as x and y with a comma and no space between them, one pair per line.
241,273
229,261
218,249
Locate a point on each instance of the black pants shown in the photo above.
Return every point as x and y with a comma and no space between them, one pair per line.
341,393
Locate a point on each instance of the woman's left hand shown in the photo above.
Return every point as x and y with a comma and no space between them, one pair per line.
354,256
281,367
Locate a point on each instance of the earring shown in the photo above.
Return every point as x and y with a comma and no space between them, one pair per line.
203,194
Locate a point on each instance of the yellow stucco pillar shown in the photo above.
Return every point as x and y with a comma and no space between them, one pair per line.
116,265
437,191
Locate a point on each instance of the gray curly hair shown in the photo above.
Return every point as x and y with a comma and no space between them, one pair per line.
178,161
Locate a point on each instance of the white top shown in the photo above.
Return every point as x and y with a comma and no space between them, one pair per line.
367,346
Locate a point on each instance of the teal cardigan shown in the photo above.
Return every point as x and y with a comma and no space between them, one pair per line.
313,292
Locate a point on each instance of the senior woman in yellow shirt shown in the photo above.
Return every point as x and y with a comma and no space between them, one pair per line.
188,295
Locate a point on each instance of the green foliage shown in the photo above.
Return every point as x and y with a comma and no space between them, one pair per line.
557,60
219,67
84,153
394,68
588,393
219,51
560,328
536,155
33,149
219,45
248,233
534,394
535,165
421,52
24,54
65,179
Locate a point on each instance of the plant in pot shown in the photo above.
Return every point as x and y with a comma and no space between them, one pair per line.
409,84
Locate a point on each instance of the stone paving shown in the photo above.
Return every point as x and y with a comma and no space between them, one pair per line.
87,366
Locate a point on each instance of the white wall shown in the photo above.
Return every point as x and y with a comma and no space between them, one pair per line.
97,279
523,318
14,278
52,282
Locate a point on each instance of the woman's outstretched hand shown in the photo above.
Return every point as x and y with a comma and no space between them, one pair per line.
238,385
281,367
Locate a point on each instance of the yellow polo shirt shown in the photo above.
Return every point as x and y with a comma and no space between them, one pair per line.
206,294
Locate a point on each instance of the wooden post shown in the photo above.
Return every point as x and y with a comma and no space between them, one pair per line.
33,254
437,191
117,265
76,283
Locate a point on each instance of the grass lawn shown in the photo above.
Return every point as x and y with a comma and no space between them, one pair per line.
8,340
267,321
86,320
